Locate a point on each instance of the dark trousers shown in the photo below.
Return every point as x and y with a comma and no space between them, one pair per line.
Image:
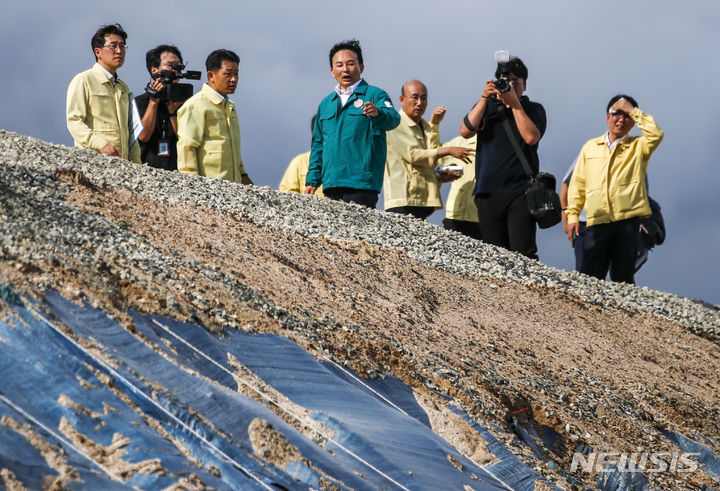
506,222
419,212
363,197
471,229
611,246
578,247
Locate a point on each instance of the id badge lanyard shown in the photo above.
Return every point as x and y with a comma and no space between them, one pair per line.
163,142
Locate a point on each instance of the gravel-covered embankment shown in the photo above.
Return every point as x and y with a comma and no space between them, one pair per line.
313,217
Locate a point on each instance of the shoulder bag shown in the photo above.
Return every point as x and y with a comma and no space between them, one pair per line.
542,199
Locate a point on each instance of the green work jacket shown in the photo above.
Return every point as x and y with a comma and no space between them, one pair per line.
349,148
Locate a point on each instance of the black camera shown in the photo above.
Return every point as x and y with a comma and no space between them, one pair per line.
172,91
502,84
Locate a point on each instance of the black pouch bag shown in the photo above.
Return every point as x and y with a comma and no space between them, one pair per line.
652,228
543,201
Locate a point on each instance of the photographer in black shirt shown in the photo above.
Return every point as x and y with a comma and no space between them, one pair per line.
501,181
158,141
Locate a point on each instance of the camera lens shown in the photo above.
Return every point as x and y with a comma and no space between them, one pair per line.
502,85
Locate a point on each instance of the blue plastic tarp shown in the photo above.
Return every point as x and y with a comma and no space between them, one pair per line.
169,388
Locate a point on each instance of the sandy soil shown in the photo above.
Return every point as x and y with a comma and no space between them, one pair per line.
605,377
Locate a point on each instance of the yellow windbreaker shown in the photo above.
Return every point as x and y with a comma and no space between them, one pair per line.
97,113
409,178
294,178
460,203
610,185
209,137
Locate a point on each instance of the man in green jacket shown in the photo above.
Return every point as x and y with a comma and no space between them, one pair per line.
348,145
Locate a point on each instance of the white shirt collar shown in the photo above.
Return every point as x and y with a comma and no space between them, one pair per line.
345,94
224,97
611,144
113,78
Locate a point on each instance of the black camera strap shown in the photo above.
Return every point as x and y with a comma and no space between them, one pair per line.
516,145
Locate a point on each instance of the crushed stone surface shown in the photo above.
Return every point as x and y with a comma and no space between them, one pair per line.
605,365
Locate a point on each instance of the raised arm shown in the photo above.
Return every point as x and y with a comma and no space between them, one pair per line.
472,123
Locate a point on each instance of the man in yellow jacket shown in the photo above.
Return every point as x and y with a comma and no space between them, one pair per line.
461,214
208,129
293,180
609,182
98,110
410,185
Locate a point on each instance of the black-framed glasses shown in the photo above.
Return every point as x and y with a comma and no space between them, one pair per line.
116,46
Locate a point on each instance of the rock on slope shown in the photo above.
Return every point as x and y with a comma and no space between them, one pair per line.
479,334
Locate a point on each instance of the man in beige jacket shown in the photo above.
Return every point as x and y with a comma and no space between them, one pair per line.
410,185
293,180
208,129
460,211
99,114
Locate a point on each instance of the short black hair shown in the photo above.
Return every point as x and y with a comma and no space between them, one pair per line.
617,98
152,57
98,39
352,44
215,59
517,68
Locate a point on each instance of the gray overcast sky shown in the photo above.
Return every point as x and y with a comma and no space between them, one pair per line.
579,54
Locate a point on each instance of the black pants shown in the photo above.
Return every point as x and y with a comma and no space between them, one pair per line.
611,246
578,247
506,222
363,197
471,229
419,212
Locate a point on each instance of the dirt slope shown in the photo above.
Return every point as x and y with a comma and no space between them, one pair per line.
606,377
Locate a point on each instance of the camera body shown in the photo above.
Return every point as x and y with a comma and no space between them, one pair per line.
172,91
502,84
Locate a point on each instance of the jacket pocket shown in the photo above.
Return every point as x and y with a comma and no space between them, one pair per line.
324,118
213,125
628,196
102,112
212,157
595,207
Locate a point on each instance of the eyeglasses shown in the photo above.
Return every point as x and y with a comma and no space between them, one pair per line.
116,46
619,114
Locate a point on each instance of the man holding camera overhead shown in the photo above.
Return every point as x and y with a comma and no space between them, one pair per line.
501,181
208,127
158,140
99,104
